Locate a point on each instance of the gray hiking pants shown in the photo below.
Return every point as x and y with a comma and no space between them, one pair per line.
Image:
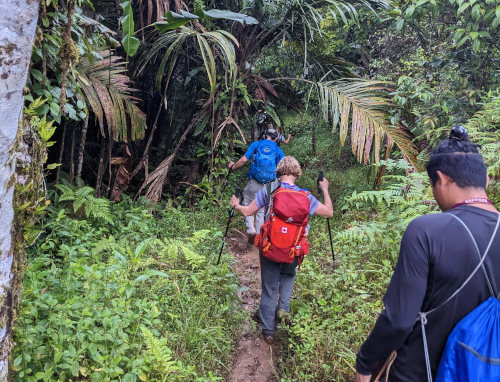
253,225
277,280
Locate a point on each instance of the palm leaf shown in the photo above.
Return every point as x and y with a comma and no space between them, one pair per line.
109,96
173,41
355,106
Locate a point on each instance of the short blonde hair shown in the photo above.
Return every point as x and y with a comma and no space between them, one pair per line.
289,166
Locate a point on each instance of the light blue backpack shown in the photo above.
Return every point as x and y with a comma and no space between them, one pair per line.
472,351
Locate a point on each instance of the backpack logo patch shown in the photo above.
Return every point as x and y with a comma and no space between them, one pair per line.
266,150
289,220
284,230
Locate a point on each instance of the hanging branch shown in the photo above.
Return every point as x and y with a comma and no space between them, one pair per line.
68,54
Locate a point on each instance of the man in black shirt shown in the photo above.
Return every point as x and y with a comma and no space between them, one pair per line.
436,257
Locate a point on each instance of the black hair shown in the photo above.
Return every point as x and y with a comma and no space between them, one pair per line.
272,135
458,158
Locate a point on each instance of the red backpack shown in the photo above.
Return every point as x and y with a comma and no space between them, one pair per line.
283,236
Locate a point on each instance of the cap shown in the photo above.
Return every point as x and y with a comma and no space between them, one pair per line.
272,133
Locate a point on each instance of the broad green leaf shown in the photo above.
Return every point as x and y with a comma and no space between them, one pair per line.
54,109
462,8
130,44
410,11
228,15
37,74
476,12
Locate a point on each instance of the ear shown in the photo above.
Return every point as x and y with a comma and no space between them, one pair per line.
444,179
487,181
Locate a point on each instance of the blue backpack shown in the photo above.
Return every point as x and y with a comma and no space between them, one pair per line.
263,167
472,351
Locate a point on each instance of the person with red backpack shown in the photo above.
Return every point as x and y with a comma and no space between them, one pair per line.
442,315
282,240
264,156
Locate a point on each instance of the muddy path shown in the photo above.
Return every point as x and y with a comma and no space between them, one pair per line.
254,359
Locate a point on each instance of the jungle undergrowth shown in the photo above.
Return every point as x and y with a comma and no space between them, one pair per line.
131,296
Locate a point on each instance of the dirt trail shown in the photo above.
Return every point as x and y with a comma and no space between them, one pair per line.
253,359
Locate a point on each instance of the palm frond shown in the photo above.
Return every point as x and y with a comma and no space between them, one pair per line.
109,96
310,14
173,40
356,106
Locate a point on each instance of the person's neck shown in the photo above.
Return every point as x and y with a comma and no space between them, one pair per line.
290,179
469,194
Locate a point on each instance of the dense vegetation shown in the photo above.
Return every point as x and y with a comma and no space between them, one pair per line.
154,98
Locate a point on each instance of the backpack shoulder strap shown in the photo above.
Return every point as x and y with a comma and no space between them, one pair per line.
270,194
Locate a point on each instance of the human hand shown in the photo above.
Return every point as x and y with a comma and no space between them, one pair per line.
323,184
234,201
230,164
362,378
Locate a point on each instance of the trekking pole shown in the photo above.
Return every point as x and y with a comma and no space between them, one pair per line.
225,184
320,178
237,192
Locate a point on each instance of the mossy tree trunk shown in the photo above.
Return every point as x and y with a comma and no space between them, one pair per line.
18,19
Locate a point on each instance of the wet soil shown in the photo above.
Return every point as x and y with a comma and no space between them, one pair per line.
254,359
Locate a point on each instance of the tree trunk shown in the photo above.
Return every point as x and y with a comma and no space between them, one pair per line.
100,171
61,151
18,21
71,158
81,150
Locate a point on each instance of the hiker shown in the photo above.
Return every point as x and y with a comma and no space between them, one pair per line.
278,276
281,137
436,257
264,156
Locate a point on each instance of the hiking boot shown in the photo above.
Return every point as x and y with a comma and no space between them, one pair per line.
284,316
251,238
269,338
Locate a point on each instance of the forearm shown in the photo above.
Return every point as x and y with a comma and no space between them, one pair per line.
385,337
327,201
247,210
241,162
325,210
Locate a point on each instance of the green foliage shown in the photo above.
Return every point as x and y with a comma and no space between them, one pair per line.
130,43
174,41
175,20
83,198
138,299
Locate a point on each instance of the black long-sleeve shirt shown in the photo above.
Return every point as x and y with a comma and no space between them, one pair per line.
436,256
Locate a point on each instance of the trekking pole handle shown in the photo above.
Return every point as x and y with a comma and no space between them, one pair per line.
320,178
237,193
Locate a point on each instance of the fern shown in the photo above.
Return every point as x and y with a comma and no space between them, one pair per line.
193,259
400,200
105,245
159,355
94,208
